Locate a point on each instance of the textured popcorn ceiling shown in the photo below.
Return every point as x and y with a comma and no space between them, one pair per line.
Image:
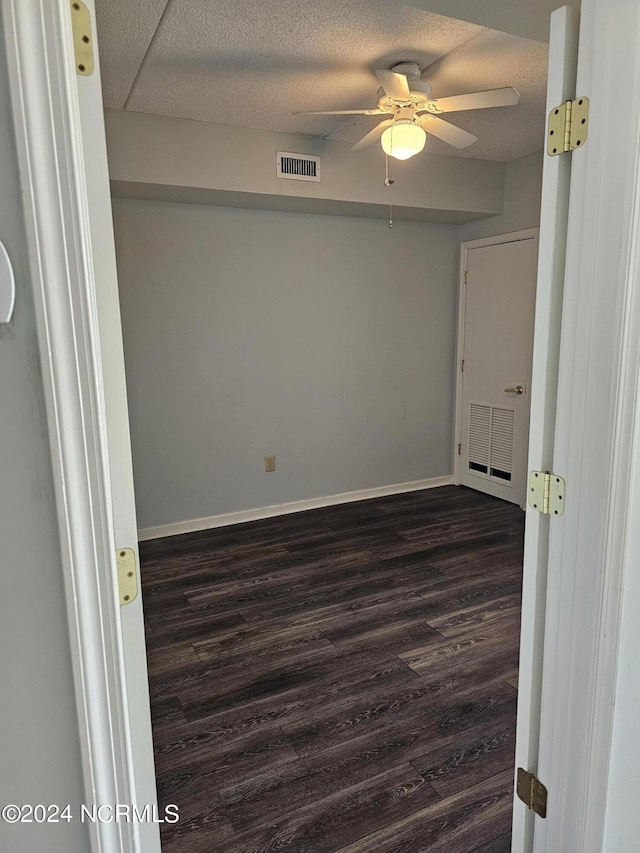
252,63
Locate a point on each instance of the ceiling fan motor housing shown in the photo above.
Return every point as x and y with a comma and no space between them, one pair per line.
420,90
409,69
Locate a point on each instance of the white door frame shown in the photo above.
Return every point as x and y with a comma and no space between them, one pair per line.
42,76
600,350
556,178
465,248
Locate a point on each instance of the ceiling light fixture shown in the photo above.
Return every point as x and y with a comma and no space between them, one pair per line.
403,139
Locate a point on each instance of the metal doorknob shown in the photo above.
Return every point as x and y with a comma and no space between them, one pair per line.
517,390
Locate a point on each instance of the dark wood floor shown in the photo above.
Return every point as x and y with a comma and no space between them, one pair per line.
339,680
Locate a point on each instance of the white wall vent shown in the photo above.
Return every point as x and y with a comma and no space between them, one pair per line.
491,433
297,167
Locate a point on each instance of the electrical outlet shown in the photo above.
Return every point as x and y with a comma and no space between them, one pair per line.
269,463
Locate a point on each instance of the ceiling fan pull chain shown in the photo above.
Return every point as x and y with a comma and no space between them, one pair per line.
388,182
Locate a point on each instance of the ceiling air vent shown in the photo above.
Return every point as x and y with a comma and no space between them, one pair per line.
297,167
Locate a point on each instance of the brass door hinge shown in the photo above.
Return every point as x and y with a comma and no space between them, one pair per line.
546,493
82,39
532,792
127,575
568,127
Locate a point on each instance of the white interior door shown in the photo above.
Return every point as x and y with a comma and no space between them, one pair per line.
497,331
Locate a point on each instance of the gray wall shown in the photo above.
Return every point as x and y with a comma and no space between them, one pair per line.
39,750
327,341
172,159
523,185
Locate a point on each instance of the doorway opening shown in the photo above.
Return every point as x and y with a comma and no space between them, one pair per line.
174,348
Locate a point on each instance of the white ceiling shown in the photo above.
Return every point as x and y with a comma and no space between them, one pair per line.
253,63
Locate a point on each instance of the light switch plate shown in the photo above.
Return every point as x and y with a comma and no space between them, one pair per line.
7,287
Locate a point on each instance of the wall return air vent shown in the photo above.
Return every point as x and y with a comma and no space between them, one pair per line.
297,167
491,432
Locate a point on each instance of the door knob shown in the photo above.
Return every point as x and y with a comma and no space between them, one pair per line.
517,390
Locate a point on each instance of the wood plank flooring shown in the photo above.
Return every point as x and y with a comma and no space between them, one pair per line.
340,680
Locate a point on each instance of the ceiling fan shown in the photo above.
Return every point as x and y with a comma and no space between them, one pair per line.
414,113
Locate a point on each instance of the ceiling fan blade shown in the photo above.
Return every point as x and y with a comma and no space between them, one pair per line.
446,132
506,97
372,112
373,135
395,85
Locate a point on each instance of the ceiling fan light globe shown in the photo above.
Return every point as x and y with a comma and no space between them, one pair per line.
403,139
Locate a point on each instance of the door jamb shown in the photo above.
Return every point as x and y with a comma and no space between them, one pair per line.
465,247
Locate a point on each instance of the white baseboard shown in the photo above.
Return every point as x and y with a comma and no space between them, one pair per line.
284,509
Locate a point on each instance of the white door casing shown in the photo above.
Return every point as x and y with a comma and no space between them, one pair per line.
63,163
495,332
